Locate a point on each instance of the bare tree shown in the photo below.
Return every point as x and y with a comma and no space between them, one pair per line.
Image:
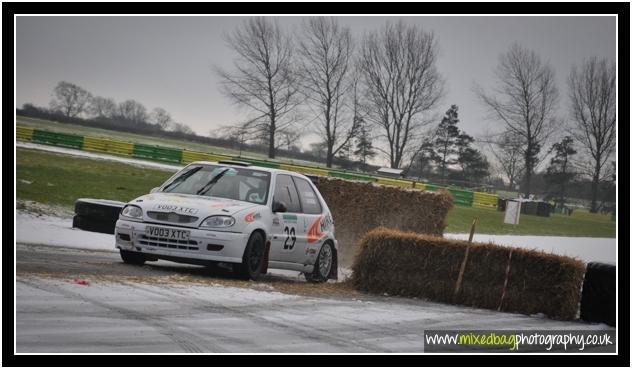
524,101
263,79
69,99
132,111
402,84
102,107
592,93
236,135
289,139
182,128
508,152
326,51
161,117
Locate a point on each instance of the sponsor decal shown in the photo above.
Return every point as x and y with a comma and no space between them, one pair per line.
176,209
223,205
326,222
251,217
290,218
276,221
314,234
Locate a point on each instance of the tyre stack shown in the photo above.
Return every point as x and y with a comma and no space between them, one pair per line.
598,303
97,215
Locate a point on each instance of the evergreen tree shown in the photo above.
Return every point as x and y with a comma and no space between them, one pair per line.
445,140
364,147
474,166
560,172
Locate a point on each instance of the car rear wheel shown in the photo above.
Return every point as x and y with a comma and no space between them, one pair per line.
252,262
133,258
323,265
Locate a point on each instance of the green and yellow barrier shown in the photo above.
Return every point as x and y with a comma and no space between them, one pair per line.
305,170
166,154
395,182
462,197
158,153
482,200
57,139
191,156
24,133
105,145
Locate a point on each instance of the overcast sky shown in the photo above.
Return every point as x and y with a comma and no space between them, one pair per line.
167,61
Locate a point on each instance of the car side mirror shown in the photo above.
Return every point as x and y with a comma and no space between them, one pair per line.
155,189
278,207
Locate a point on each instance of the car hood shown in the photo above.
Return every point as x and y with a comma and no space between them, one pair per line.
198,206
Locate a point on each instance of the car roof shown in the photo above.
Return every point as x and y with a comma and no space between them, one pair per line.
263,169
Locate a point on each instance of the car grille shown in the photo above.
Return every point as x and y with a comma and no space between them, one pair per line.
169,243
171,217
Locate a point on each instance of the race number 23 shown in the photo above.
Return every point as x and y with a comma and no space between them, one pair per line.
290,238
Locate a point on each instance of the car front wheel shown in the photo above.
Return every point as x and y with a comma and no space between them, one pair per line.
253,259
133,258
323,265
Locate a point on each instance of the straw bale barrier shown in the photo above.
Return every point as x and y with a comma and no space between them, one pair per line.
358,207
492,277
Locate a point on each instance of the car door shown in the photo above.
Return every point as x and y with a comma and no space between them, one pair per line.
286,226
311,216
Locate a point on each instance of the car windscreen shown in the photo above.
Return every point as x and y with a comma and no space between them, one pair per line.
220,181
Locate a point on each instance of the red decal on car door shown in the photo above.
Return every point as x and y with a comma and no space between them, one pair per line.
314,234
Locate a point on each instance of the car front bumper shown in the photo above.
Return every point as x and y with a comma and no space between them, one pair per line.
203,244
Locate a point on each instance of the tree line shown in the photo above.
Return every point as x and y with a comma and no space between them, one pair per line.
376,95
73,101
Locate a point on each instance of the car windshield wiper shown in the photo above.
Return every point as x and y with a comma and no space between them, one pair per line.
182,177
207,187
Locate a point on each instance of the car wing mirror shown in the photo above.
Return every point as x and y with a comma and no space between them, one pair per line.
278,207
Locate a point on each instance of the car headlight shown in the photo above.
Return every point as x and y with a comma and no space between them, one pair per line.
218,221
132,211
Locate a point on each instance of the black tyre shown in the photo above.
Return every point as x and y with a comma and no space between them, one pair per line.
133,258
253,259
598,303
99,209
323,265
93,224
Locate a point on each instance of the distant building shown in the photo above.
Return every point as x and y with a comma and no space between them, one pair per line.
390,172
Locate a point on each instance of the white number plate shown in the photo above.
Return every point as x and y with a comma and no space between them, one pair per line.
160,232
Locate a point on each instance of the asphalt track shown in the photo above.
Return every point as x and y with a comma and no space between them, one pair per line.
73,300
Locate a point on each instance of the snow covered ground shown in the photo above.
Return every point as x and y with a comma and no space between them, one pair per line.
584,248
56,315
51,230
56,231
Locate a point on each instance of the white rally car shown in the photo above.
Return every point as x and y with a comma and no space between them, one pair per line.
252,217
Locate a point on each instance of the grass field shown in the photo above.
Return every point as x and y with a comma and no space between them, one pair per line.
144,139
57,179
581,223
61,179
